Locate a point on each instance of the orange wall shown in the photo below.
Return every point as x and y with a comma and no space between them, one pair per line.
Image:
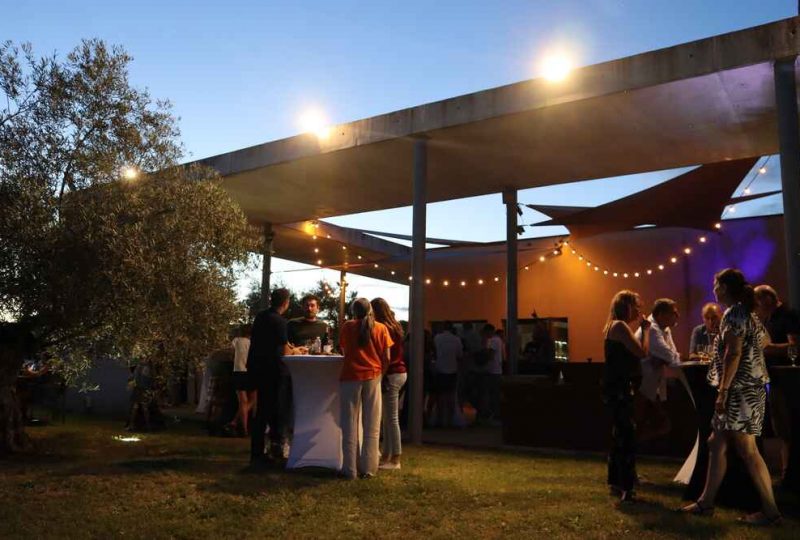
564,287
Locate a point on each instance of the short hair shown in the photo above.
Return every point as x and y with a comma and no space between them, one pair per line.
308,298
488,328
711,306
278,297
765,291
663,306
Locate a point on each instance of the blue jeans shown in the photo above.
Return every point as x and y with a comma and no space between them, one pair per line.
391,445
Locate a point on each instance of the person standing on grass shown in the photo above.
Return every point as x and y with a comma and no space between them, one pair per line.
268,345
739,372
622,376
366,346
391,384
449,351
245,391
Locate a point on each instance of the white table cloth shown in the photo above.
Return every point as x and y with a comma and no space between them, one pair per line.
317,438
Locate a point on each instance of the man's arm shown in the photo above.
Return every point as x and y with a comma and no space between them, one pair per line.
660,348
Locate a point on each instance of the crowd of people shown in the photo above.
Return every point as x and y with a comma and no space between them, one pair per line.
749,332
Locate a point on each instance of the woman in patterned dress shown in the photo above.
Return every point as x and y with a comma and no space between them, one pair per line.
739,373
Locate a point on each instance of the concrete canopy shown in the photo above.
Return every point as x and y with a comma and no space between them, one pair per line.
706,101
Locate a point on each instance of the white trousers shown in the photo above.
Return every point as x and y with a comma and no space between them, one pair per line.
360,399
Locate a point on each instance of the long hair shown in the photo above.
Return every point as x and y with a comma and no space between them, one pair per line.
384,314
737,287
620,309
362,310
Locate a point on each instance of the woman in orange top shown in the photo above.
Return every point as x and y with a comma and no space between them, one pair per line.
365,343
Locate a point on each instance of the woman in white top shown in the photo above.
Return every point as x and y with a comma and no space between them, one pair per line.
245,391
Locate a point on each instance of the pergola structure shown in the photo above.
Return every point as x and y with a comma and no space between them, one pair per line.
727,97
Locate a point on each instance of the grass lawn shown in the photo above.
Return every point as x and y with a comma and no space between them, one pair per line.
82,483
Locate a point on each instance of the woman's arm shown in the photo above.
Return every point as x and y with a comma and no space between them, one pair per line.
622,332
730,365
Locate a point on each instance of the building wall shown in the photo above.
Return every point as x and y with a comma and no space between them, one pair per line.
564,286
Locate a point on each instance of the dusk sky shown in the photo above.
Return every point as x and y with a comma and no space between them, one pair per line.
241,73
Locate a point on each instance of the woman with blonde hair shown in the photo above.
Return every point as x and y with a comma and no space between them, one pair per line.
365,344
621,378
392,383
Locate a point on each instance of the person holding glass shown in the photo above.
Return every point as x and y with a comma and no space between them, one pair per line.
739,373
701,345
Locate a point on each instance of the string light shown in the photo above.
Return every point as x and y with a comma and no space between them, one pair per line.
718,226
446,283
428,281
660,266
316,250
762,170
463,283
496,279
673,260
480,282
687,250
702,239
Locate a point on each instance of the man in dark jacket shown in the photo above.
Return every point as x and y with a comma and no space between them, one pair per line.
269,343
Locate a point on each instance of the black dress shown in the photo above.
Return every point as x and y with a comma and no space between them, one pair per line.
621,379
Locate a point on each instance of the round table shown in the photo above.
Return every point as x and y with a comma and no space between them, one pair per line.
787,379
317,440
737,489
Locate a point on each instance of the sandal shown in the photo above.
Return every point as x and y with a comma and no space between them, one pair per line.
759,519
697,509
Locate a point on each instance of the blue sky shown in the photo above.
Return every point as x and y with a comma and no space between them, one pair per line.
240,73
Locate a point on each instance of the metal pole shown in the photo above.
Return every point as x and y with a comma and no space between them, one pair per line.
266,265
789,138
417,314
512,330
342,298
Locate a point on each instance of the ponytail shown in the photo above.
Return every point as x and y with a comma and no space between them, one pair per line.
362,310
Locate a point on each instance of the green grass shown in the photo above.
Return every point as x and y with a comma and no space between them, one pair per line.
81,483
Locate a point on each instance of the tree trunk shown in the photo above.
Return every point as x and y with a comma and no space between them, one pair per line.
15,344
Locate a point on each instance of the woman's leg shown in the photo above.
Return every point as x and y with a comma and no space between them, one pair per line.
748,451
371,422
386,426
717,466
241,413
350,402
391,408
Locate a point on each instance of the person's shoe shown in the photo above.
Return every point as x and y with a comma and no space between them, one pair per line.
366,476
697,509
627,497
759,519
389,466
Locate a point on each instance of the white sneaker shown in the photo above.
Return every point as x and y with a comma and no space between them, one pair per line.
389,466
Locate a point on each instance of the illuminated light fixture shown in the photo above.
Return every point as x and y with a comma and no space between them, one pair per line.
122,438
636,274
497,279
731,209
649,272
605,272
410,278
566,242
316,225
344,248
687,250
314,237
527,268
574,252
130,173
762,170
463,283
541,258
319,261
717,225
580,258
428,281
747,191
615,274
660,266
316,250
392,272
480,282
625,275
314,121
556,66
588,264
596,268
375,265
329,236
359,257
556,252
673,260
446,283
702,239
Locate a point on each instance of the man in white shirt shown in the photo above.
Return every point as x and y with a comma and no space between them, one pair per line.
449,351
652,420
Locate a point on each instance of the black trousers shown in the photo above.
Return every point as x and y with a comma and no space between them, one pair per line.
273,409
622,457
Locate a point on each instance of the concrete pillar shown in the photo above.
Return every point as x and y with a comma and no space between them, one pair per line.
417,307
266,265
512,308
789,138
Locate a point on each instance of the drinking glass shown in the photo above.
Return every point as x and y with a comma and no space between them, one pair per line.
792,354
